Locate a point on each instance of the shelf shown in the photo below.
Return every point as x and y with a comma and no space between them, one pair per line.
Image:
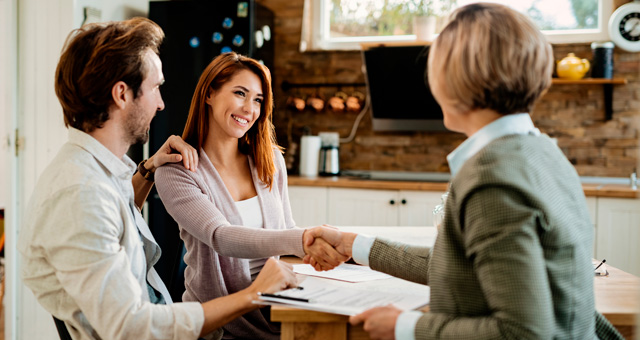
365,46
608,89
589,81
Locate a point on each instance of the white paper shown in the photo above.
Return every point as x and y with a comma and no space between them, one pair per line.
344,272
325,297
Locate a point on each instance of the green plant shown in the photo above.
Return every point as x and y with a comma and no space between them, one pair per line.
437,8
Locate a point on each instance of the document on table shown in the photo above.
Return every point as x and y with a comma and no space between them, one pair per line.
344,272
317,295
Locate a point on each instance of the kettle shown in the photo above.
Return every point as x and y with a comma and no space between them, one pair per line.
329,160
572,67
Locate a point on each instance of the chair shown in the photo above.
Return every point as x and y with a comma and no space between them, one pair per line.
165,230
176,281
63,332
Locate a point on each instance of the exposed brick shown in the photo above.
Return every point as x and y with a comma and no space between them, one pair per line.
385,141
627,163
613,152
632,152
574,114
586,153
624,143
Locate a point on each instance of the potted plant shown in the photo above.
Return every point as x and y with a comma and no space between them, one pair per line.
429,16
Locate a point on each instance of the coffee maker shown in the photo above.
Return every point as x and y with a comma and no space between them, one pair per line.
329,154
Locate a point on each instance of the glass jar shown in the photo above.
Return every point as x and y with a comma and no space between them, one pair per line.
438,211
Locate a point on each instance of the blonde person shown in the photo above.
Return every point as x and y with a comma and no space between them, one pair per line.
512,259
87,253
234,212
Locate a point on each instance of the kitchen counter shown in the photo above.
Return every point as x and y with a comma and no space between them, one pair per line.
590,189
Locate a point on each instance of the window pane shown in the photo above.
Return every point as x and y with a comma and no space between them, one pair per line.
356,18
353,18
555,14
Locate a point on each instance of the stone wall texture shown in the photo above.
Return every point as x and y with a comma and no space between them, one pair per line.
574,114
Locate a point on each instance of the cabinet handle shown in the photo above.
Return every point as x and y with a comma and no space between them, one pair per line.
392,202
404,201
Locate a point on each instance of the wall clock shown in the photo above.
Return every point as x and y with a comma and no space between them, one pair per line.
624,27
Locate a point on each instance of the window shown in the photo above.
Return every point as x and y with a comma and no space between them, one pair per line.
344,24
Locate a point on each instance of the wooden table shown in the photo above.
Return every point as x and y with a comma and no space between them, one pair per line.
617,298
305,324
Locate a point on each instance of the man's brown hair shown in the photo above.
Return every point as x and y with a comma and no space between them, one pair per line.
94,59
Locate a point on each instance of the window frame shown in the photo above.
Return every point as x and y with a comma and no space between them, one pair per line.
320,30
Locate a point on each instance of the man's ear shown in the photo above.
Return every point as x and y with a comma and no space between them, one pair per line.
119,94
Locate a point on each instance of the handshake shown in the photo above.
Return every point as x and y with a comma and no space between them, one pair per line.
325,247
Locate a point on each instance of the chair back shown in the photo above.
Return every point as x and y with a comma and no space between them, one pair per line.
176,282
166,232
63,332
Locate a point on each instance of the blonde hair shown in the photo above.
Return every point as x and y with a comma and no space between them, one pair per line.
491,57
260,140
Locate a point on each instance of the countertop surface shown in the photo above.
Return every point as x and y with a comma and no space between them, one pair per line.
591,189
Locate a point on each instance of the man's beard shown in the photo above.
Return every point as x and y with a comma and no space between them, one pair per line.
137,131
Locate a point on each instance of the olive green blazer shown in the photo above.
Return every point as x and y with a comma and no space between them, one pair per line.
512,259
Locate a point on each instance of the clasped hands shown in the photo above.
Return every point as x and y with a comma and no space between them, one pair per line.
325,248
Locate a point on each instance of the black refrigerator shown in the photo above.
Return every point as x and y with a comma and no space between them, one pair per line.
196,31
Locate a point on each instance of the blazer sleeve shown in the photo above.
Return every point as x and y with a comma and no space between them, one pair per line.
605,330
188,204
501,239
400,260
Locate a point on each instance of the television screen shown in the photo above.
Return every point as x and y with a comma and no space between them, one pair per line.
400,99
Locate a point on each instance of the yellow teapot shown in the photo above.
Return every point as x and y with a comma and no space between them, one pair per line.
572,67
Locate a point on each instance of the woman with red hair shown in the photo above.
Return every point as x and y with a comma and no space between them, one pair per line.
234,211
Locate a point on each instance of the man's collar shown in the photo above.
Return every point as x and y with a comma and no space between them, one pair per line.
517,123
119,167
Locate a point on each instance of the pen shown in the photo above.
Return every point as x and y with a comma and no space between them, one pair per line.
283,297
603,261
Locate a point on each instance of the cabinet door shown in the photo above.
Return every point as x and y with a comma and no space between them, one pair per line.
592,205
308,205
416,207
618,232
363,207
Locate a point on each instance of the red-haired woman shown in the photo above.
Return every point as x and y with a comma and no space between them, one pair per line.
234,211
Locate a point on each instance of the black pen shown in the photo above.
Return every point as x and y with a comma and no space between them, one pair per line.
603,261
283,297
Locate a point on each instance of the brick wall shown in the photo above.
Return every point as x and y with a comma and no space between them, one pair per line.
574,114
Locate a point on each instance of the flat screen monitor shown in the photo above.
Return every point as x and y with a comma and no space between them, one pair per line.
396,85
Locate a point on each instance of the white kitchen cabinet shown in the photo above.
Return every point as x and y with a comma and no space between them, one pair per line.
416,207
618,232
308,205
616,221
592,205
363,207
366,207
